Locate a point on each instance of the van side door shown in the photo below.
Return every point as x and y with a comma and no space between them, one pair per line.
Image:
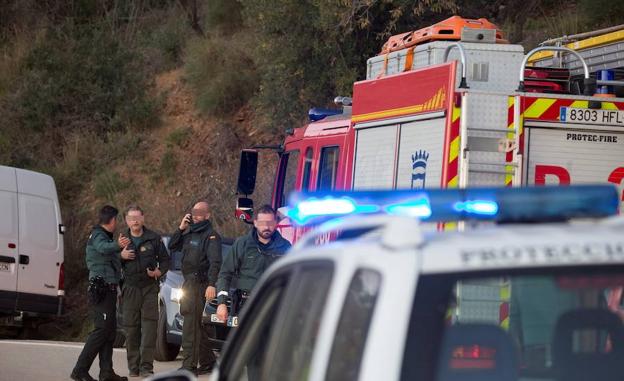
40,243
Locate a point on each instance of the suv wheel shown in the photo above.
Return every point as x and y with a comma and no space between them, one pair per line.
164,351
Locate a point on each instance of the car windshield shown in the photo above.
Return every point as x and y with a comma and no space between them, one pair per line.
534,326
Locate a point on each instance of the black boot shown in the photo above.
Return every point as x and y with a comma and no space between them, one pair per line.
112,377
81,375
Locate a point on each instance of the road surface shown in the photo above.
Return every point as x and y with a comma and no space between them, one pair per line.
24,360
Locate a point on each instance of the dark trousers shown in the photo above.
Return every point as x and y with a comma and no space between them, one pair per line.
100,340
140,318
195,336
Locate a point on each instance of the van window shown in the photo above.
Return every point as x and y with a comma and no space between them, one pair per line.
306,303
328,169
307,169
350,340
289,175
553,324
8,205
38,223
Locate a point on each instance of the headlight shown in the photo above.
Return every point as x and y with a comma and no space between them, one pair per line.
176,295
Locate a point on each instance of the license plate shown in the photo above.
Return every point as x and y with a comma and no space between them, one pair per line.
5,267
231,322
590,116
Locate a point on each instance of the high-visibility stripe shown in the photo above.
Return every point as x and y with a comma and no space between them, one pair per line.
510,127
453,183
505,296
538,107
454,150
452,175
584,44
434,103
456,114
579,104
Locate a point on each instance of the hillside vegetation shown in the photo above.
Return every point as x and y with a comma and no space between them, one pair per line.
150,101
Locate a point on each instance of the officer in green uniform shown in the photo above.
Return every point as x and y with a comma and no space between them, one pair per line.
104,264
201,260
145,261
250,256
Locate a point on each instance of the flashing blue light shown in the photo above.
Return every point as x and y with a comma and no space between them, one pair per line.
328,206
483,207
531,204
417,207
316,114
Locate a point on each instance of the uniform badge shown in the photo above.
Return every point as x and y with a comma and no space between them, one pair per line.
143,248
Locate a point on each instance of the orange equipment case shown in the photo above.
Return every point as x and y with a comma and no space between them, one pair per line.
449,29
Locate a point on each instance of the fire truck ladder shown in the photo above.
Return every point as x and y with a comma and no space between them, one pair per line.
505,140
602,50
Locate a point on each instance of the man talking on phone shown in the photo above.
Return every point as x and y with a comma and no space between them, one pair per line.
201,261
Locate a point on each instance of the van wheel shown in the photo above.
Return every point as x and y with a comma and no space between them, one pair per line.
120,339
164,351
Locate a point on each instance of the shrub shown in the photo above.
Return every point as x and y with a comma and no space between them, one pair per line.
108,184
221,72
91,81
178,137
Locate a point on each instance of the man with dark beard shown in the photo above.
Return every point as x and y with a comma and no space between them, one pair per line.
249,257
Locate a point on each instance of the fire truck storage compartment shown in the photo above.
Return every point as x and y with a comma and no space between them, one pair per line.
577,154
386,155
492,67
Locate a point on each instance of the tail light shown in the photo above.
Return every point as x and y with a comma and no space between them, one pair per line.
61,281
473,357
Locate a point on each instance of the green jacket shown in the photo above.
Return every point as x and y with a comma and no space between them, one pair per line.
201,252
247,260
103,255
151,252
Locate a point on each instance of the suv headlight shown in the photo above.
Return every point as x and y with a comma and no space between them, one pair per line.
176,295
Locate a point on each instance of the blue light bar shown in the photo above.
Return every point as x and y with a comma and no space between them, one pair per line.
530,204
315,114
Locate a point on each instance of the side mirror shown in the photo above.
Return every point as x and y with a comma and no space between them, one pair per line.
247,172
244,209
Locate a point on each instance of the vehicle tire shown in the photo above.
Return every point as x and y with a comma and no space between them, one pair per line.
164,351
120,339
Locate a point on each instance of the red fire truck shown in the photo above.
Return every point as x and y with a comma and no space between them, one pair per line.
455,105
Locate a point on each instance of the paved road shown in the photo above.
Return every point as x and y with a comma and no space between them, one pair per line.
53,361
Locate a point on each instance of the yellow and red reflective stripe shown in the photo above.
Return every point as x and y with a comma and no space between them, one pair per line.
452,175
510,135
503,309
436,102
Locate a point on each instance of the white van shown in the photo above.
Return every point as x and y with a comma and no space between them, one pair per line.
31,244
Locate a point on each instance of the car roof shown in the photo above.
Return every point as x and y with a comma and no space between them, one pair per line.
594,242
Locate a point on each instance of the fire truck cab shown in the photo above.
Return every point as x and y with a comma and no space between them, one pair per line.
454,105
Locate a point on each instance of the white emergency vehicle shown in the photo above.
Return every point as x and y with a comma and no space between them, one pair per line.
389,300
32,274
